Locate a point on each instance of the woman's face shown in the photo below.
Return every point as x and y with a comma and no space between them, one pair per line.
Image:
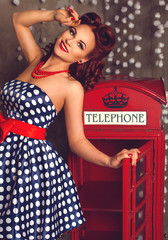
75,44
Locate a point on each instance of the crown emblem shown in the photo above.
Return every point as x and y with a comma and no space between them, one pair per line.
115,99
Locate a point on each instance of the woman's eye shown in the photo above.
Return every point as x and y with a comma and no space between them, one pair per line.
80,45
72,32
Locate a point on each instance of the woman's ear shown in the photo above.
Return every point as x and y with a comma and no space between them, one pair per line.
83,60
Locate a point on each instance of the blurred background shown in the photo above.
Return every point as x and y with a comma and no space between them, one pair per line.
141,49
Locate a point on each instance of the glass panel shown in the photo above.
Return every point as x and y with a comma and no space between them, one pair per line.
131,202
140,193
140,217
141,236
131,228
141,168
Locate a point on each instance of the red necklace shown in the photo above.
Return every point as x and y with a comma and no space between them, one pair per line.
38,73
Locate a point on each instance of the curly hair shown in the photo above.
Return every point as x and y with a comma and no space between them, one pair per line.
90,72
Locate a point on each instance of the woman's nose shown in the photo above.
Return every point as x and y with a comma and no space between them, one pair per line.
69,41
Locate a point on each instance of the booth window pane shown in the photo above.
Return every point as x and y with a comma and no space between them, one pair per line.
131,202
140,217
141,235
131,228
140,193
141,168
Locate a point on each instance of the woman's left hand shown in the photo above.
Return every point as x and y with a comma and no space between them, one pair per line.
67,17
117,160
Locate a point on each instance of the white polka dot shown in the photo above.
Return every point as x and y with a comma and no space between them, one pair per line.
47,183
80,221
65,211
23,97
26,114
15,211
15,201
36,185
16,219
48,193
78,214
36,120
38,110
38,213
67,193
74,199
47,236
47,211
40,100
70,209
49,108
35,177
37,194
21,107
22,199
42,119
43,109
34,102
32,112
27,171
29,94
27,104
36,92
67,226
8,229
76,207
17,228
47,220
47,99
66,219
74,224
38,150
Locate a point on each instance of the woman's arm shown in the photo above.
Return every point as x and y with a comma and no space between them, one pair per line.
23,20
77,140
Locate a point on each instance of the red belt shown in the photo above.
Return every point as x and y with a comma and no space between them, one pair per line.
22,128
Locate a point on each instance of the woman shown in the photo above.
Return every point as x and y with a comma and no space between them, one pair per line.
38,198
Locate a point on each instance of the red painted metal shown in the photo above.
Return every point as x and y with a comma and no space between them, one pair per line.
125,203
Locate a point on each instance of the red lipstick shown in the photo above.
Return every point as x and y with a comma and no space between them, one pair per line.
63,47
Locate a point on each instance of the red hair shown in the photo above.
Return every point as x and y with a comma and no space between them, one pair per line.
90,72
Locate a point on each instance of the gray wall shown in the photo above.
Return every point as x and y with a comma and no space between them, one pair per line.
141,49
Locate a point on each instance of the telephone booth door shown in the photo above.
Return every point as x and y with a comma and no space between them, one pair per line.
124,203
138,193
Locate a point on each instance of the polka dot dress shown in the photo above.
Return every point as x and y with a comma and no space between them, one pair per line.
38,197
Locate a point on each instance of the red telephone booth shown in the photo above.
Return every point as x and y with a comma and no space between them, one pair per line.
125,203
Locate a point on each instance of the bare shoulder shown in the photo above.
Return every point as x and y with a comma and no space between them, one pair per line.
74,87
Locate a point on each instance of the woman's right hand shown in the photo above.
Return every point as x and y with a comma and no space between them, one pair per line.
117,160
68,17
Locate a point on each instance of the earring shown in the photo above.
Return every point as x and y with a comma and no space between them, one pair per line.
79,62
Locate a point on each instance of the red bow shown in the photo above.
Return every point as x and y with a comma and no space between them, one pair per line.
19,127
6,124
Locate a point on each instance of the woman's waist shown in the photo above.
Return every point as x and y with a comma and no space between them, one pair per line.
20,127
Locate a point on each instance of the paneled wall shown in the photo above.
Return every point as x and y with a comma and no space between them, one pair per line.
141,49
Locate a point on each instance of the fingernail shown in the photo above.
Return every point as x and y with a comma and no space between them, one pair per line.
72,18
130,155
70,9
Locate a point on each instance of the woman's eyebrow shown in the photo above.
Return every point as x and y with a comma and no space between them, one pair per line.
83,43
75,30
